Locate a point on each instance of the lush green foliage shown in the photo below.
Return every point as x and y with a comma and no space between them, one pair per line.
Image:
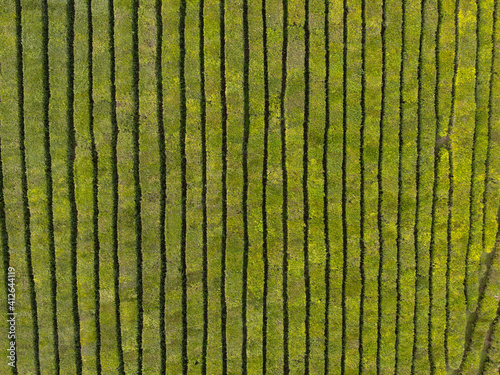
296,186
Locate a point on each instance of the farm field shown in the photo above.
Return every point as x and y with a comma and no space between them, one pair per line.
250,187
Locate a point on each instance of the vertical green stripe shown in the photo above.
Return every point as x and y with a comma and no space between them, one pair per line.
203,130
399,218
344,188
137,182
182,130
265,255
325,192
48,181
451,181
95,191
305,189
380,191
449,250
24,181
246,133
487,162
222,24
473,187
114,181
284,176
362,247
163,184
437,158
416,230
70,165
